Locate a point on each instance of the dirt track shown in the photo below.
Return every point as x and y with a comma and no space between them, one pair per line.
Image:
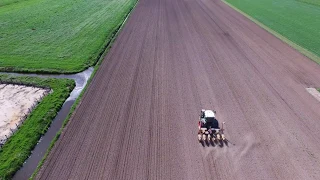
138,119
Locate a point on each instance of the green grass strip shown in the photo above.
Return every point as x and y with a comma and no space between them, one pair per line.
77,102
301,49
19,146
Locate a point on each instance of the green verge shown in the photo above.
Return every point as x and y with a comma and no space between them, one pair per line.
78,101
19,146
57,36
296,28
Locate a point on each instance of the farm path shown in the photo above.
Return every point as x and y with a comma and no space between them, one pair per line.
138,118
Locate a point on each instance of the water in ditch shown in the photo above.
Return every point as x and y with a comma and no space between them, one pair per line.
39,151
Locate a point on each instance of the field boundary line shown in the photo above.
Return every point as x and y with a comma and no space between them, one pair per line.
78,100
299,48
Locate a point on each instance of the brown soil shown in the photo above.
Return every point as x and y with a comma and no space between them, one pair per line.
138,118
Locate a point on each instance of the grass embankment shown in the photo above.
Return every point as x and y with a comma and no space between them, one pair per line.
57,36
294,22
19,146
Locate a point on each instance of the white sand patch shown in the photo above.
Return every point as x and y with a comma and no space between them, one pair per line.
15,103
315,93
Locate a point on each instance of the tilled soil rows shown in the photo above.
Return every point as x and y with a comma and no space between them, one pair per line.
138,118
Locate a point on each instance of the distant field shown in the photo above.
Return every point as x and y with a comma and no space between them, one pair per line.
297,20
56,35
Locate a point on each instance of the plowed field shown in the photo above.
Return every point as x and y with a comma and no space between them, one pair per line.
138,118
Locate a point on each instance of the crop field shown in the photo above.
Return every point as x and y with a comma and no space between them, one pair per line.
297,20
138,117
56,35
19,146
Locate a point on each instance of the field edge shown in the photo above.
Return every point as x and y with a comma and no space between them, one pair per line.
299,48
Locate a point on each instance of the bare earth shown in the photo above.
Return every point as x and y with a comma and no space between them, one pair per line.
314,92
138,118
15,101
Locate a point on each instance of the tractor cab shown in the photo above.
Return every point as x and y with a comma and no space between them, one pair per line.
208,119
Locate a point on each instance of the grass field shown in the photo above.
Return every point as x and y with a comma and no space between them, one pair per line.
295,20
57,36
19,146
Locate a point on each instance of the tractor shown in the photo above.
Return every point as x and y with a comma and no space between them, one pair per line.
209,129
